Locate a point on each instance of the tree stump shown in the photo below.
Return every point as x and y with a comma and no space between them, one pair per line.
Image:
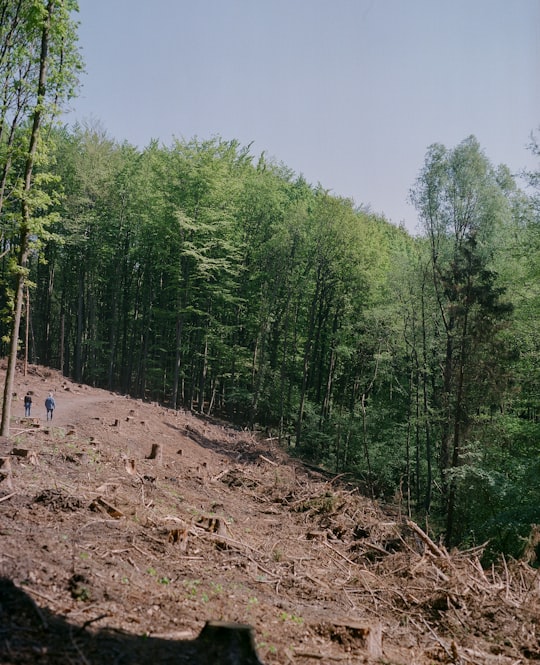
29,455
130,465
156,453
368,634
227,644
5,471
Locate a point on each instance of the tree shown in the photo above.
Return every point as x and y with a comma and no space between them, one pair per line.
46,72
461,205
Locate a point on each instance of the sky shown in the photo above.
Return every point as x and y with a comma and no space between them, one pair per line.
347,93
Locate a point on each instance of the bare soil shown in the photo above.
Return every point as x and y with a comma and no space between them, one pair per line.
108,555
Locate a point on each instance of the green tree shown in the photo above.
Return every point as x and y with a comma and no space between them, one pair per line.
86,280
461,205
39,59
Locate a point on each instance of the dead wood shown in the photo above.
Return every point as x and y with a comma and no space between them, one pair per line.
25,453
433,548
5,471
100,504
156,453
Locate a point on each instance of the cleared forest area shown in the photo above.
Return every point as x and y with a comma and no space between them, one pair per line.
126,526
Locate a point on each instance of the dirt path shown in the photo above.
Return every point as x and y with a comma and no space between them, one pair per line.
75,404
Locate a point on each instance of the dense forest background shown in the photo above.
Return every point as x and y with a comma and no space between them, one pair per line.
208,278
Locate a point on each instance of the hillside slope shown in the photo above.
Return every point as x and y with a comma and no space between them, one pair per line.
107,555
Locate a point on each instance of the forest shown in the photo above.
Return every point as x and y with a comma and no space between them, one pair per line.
205,277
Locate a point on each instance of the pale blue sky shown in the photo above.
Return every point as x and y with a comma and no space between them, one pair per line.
349,93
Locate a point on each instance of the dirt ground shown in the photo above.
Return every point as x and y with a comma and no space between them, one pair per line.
125,527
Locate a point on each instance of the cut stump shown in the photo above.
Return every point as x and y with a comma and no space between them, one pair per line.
5,471
156,453
228,643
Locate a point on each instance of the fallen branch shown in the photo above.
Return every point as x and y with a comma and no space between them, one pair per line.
436,638
433,548
318,656
353,563
268,460
91,621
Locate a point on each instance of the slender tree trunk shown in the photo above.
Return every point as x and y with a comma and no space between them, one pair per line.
177,359
26,332
283,366
25,225
203,373
257,375
459,424
306,363
327,400
412,382
365,442
425,408
417,439
80,317
62,338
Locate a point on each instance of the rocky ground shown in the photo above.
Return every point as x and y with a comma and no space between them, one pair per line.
125,527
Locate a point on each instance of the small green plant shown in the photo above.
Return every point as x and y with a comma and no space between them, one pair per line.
264,646
285,616
94,457
152,571
164,580
192,586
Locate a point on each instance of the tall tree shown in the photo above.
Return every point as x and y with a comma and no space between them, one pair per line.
47,70
461,205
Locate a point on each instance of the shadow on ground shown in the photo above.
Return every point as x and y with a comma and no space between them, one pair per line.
30,634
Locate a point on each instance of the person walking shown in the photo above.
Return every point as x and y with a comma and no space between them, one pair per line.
27,404
50,406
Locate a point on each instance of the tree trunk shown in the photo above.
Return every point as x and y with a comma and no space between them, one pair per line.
306,362
26,332
425,407
177,360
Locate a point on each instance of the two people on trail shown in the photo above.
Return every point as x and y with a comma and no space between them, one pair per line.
50,405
